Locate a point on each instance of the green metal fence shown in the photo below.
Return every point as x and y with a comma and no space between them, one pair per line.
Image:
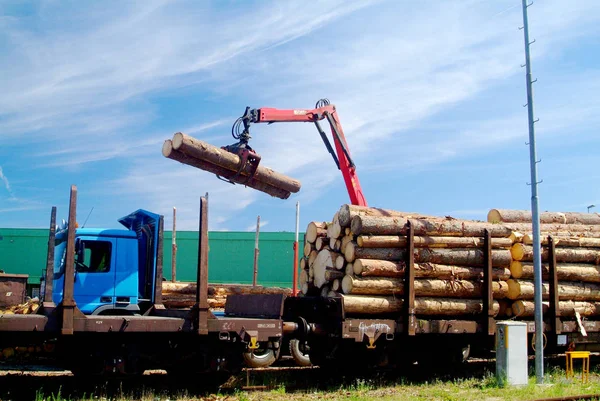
231,255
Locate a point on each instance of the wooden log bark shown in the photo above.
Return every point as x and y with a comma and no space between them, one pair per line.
315,229
523,309
385,268
373,305
203,151
347,212
560,241
523,252
565,271
523,289
423,287
458,256
563,230
181,157
524,216
431,227
396,241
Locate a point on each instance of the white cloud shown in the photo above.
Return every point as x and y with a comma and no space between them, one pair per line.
252,227
5,181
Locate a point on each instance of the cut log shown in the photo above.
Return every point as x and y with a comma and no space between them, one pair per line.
561,229
356,304
321,242
353,251
325,291
308,247
566,241
315,229
385,268
181,157
459,257
331,275
334,230
333,294
337,245
349,269
339,262
431,227
303,263
198,149
347,231
345,241
347,212
304,289
523,289
303,277
523,252
565,272
335,285
324,261
567,308
312,257
524,216
395,241
423,287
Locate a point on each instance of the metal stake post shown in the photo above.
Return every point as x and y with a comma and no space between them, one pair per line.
174,247
295,273
256,252
537,260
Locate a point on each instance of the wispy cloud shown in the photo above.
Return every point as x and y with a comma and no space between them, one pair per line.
5,182
263,223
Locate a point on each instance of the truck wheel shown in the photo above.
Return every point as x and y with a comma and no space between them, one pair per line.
261,357
299,351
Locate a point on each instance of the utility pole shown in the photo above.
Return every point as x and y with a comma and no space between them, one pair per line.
533,161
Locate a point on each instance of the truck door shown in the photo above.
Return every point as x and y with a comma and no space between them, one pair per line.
126,275
95,271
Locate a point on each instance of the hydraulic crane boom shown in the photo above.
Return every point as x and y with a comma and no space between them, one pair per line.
322,111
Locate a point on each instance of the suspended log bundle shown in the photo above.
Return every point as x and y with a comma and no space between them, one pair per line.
576,254
365,262
183,294
196,153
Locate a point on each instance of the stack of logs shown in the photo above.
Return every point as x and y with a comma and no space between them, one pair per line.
576,238
361,256
183,295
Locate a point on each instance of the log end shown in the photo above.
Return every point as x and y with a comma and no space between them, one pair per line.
177,140
494,216
514,289
517,251
349,252
516,269
356,225
347,284
167,148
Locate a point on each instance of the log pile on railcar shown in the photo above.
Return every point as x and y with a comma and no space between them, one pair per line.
361,256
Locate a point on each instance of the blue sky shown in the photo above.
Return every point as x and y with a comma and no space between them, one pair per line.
430,95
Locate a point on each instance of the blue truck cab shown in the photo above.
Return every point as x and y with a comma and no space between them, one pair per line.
115,270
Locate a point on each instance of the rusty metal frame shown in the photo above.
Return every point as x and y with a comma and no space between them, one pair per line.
202,276
158,304
68,302
409,282
489,326
554,309
49,276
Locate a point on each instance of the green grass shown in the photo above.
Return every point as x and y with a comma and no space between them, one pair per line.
484,388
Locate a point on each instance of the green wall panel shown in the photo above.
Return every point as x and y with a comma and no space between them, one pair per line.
231,255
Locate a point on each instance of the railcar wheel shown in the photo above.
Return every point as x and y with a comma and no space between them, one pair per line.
300,352
261,357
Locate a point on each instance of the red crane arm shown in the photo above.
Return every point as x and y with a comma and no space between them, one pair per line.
342,153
